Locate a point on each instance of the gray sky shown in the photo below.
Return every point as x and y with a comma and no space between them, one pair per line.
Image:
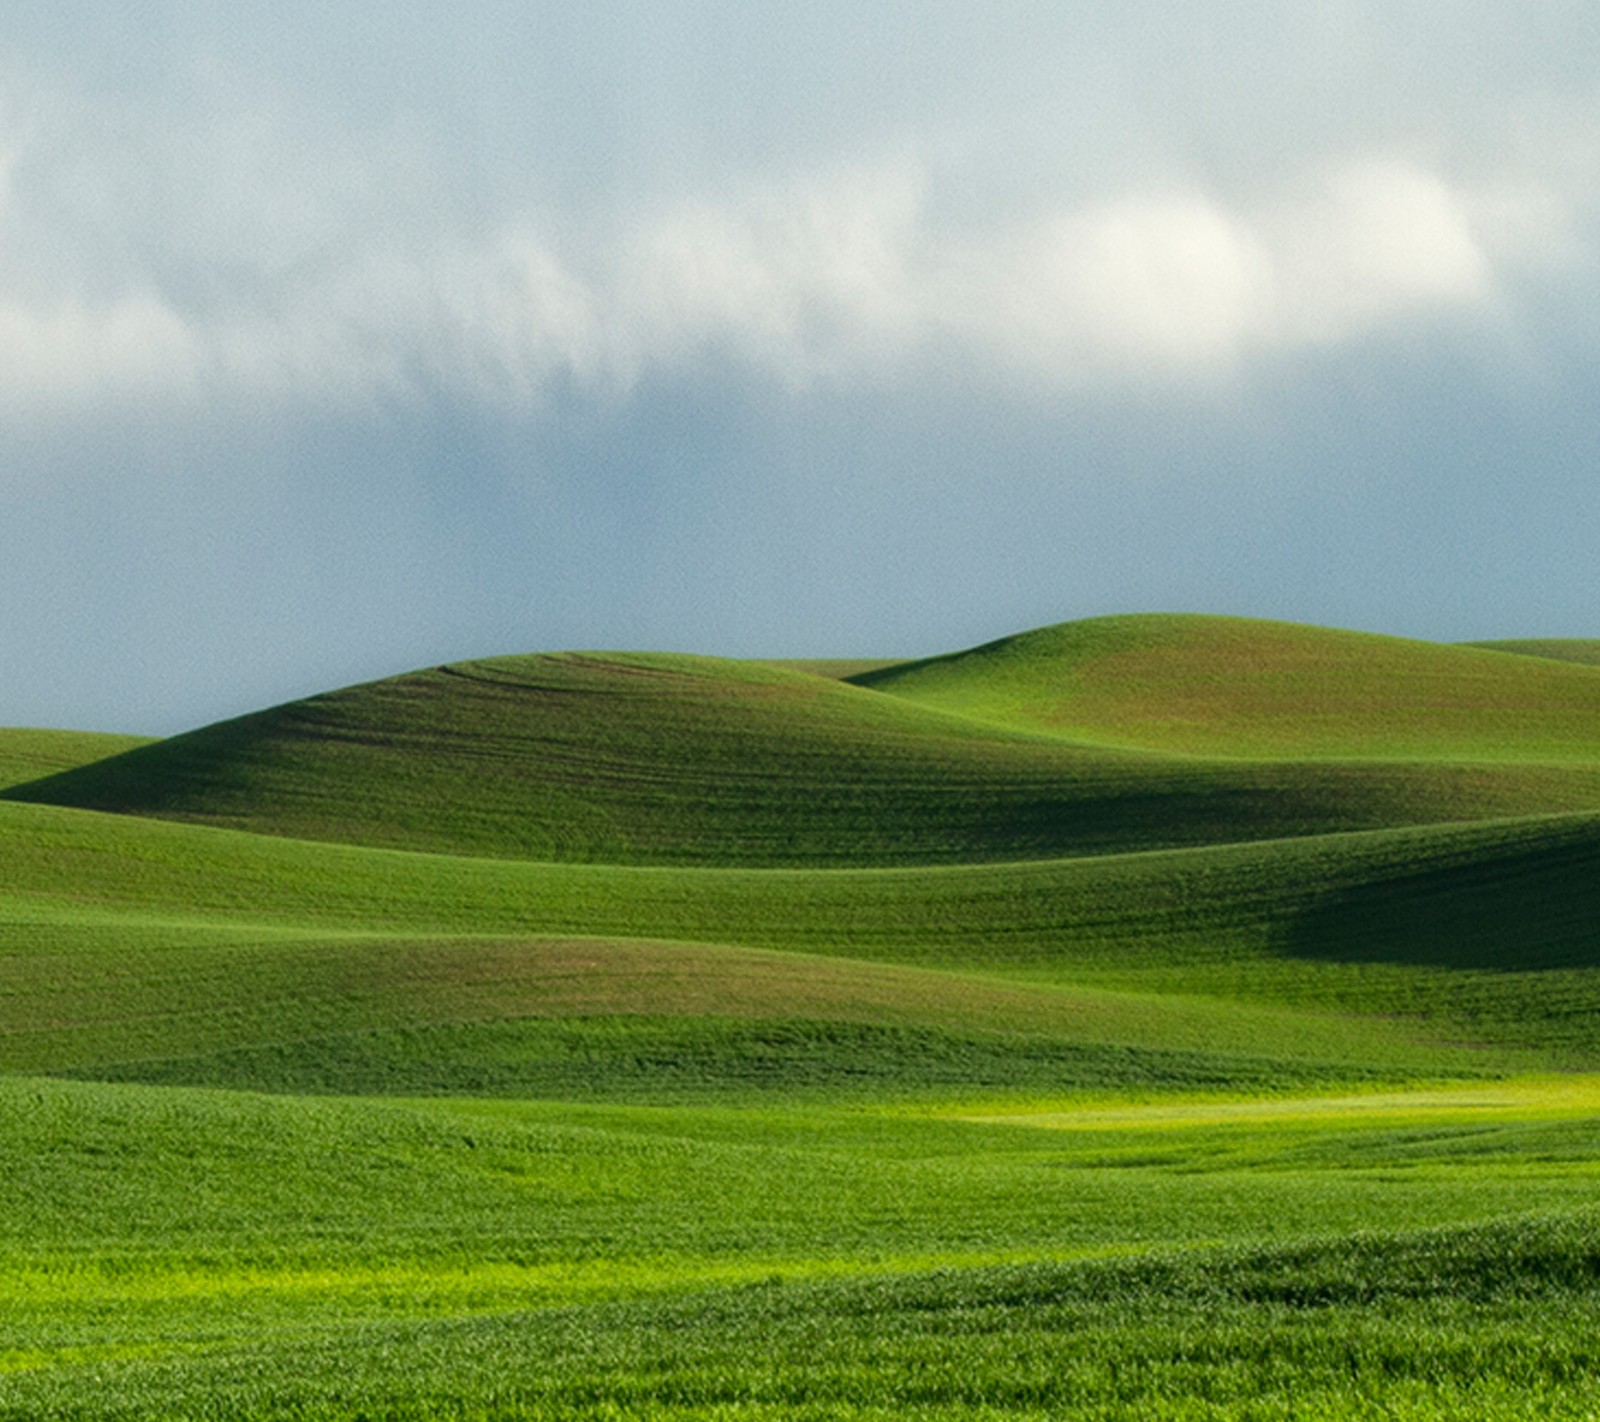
336,340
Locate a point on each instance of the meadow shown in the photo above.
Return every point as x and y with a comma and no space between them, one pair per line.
1161,1016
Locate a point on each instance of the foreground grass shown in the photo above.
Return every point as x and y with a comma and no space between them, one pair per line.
1498,1321
1070,1138
168,1252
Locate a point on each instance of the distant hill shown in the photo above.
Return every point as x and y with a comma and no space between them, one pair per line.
27,754
1239,687
1090,737
1585,650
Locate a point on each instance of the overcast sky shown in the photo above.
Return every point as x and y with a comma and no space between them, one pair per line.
342,339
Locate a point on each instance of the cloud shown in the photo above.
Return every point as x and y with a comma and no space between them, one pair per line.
259,263
804,279
71,357
1165,286
1381,240
1166,283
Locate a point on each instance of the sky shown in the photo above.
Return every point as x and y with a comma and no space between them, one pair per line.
341,340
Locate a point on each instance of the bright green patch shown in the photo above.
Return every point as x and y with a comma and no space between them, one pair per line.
223,1252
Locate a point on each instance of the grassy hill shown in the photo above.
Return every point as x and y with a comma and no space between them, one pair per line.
1585,650
1113,1020
150,941
1107,736
1239,687
32,754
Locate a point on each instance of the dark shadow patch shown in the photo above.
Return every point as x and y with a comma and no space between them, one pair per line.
670,1060
1527,910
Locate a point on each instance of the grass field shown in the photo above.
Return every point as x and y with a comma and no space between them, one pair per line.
1170,1017
31,755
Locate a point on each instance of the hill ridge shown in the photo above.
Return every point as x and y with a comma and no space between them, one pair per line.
1213,685
1107,734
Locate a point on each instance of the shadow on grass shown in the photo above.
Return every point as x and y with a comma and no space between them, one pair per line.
1530,911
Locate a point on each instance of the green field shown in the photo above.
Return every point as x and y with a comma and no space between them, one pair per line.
1153,1016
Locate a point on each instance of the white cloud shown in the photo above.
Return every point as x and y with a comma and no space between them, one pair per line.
71,357
1379,242
1172,283
265,266
1182,287
804,281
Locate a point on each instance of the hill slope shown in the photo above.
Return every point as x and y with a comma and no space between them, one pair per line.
136,940
1306,1125
27,754
682,760
1239,687
1584,650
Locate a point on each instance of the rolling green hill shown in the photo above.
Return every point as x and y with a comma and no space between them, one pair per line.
1424,949
1585,650
32,755
1183,731
1162,1016
1238,687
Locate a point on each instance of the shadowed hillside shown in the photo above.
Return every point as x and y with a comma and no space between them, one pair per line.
682,760
31,754
1584,650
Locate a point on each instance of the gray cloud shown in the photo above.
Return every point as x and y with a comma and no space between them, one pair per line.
335,338
1097,199
305,291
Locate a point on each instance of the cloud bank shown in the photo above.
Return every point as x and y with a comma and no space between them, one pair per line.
259,265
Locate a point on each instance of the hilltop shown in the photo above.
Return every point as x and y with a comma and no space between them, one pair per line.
1228,686
1585,650
1104,736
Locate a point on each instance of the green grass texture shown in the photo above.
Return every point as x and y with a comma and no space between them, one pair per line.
1240,687
27,755
214,1254
1585,650
1107,736
1167,1017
